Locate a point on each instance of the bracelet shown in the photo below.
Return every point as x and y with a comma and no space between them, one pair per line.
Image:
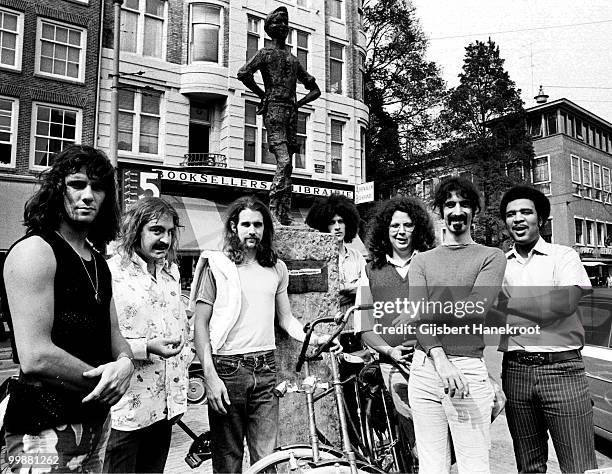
126,356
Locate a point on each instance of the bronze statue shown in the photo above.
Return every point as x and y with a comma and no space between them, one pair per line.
280,71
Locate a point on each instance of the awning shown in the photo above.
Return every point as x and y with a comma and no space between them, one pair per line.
13,195
202,222
593,264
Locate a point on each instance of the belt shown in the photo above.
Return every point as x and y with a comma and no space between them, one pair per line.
541,358
254,358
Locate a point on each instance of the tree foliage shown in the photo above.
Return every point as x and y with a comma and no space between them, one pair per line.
402,89
485,120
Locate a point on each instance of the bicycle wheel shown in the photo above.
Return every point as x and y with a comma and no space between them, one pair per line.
341,466
288,460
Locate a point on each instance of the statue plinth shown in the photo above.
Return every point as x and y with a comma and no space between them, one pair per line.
312,260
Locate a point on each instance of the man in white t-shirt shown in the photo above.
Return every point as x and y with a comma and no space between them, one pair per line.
543,373
237,294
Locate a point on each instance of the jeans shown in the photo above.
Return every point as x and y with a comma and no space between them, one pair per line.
143,450
77,447
434,412
549,398
253,412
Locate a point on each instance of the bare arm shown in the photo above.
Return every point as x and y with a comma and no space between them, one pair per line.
29,274
215,388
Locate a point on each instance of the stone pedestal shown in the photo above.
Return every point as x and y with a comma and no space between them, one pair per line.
295,244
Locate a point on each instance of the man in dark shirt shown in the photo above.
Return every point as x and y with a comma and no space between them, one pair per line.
74,363
280,71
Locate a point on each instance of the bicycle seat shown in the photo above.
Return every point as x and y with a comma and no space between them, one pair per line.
362,356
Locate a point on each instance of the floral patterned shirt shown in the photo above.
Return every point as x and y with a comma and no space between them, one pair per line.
149,307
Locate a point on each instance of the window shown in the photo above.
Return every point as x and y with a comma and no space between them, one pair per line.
302,47
300,156
589,232
336,65
362,141
250,131
11,39
362,78
541,174
571,129
54,128
9,111
205,29
609,235
606,185
142,27
253,35
579,235
579,129
335,9
336,146
535,126
586,178
604,142
596,182
427,189
360,12
60,50
551,123
600,233
546,230
514,171
139,119
576,181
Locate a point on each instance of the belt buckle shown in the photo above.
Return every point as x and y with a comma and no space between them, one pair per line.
531,359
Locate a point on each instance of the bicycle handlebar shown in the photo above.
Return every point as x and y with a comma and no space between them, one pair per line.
309,328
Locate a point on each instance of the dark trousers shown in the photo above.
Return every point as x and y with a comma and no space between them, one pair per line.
549,398
143,450
253,411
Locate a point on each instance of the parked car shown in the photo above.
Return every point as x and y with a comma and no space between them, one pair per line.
596,314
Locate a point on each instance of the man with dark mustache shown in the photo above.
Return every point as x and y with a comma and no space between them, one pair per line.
237,295
543,373
147,291
449,388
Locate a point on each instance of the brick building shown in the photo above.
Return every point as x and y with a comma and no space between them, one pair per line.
187,126
49,59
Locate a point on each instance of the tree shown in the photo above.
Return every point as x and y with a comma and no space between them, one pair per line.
485,120
402,90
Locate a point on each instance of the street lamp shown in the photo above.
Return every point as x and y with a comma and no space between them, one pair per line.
114,118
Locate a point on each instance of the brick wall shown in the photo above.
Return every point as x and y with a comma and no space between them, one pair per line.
28,87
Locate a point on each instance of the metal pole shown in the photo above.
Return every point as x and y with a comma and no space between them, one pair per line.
114,118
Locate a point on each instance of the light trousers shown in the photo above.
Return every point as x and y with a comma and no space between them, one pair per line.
435,412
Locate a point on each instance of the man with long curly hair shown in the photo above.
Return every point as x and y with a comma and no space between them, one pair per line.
236,294
147,293
74,362
400,230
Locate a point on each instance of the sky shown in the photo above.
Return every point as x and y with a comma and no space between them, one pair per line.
564,45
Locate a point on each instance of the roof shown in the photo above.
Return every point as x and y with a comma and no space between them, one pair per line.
568,104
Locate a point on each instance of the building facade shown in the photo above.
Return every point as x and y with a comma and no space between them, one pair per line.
188,127
49,60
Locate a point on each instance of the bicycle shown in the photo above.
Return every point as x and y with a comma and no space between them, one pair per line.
321,457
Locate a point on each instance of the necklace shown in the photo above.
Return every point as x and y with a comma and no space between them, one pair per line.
91,280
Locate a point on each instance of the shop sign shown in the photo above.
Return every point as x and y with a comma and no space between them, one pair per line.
203,178
586,250
364,192
136,184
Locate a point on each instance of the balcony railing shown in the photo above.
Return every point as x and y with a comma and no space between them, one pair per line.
205,159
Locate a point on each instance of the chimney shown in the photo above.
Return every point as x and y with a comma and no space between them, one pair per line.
541,98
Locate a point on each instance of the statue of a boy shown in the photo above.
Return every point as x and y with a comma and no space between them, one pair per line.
280,70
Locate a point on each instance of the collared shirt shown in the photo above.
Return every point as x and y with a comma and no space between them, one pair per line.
351,267
401,266
547,265
149,307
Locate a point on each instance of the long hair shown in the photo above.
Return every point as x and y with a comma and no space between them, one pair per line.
138,215
423,236
45,210
465,188
265,254
323,210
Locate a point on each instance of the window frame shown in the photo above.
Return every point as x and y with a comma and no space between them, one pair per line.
137,115
18,41
590,236
540,184
220,37
341,10
337,143
140,29
600,242
34,118
597,188
82,47
587,187
606,188
427,195
342,64
13,131
582,230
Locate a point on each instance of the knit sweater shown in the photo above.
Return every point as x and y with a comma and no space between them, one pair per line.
459,277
